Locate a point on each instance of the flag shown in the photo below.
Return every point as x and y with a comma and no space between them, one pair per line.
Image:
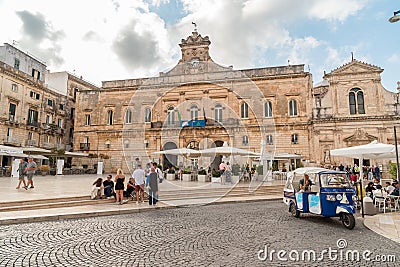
179,116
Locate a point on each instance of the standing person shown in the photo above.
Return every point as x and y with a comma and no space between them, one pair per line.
119,187
21,170
137,163
138,175
160,174
152,184
377,172
30,171
222,168
228,172
109,187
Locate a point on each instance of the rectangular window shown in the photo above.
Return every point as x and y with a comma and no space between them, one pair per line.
9,133
33,117
11,111
30,136
14,87
270,140
87,119
72,114
34,95
61,107
295,139
36,74
48,119
245,140
50,102
59,123
16,63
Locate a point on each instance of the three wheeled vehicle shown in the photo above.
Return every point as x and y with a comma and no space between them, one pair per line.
330,194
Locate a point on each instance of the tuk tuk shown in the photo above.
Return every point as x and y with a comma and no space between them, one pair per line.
329,194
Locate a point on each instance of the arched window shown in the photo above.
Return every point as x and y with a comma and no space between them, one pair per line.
194,112
218,113
128,116
268,109
244,110
110,117
356,101
171,116
293,108
147,115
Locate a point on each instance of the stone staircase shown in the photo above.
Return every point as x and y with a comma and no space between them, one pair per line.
171,197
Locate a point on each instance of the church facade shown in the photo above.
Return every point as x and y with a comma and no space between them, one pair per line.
199,104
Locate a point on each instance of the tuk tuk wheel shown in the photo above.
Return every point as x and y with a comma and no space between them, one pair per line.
348,220
293,210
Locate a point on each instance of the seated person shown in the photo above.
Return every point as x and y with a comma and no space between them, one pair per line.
130,188
109,187
396,189
305,183
97,188
389,188
379,192
369,189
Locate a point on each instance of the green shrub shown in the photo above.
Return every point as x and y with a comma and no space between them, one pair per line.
216,173
202,172
235,169
187,170
393,170
260,169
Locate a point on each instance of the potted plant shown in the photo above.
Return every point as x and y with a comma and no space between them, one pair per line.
171,174
235,173
202,175
53,171
186,174
44,169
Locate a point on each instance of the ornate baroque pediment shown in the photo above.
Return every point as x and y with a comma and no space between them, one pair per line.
360,137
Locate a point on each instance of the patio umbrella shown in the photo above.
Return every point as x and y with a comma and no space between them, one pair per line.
179,152
226,150
372,150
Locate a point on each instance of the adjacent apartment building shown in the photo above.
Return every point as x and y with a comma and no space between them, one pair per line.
37,107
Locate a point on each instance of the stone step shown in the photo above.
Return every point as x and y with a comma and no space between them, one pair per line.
173,195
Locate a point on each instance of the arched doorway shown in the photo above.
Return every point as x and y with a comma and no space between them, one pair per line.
169,160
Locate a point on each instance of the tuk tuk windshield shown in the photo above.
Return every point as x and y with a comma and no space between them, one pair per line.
334,180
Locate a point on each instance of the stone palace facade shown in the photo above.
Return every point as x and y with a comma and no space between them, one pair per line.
273,108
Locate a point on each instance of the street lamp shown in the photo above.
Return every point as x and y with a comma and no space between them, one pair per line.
396,17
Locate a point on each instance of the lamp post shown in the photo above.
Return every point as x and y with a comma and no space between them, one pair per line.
396,17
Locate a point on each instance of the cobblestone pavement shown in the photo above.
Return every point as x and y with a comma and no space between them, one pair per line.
214,235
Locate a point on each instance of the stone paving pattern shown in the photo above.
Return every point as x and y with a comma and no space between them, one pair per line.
214,235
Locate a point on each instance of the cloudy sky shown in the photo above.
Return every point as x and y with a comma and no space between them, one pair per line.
120,39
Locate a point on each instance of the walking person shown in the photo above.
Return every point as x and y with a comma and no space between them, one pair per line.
222,168
22,172
152,185
138,175
160,174
30,171
119,187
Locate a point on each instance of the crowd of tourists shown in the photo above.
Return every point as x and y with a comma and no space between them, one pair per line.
141,180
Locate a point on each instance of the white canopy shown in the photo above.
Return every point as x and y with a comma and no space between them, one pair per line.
227,150
179,151
76,154
373,150
30,149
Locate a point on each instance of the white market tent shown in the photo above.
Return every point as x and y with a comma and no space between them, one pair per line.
226,150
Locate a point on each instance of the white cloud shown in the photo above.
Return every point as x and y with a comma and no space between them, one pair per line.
394,58
241,31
